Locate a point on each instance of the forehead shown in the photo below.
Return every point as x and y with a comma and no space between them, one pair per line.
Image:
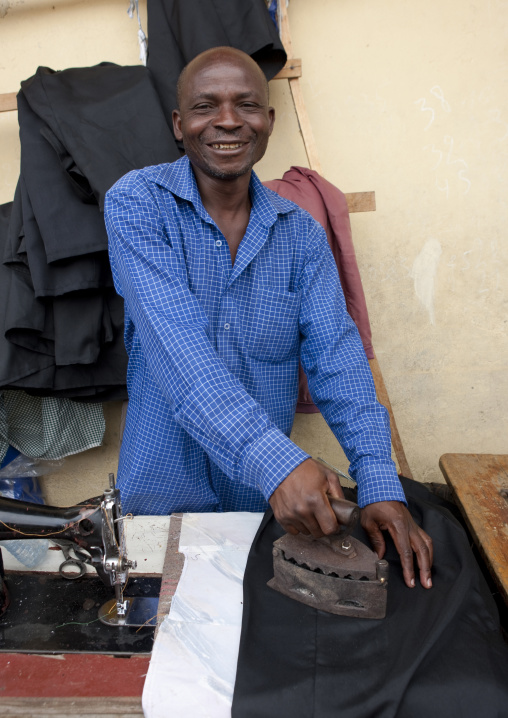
224,75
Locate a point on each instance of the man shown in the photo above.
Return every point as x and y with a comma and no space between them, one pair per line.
226,287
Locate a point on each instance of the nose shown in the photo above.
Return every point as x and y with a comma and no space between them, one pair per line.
227,117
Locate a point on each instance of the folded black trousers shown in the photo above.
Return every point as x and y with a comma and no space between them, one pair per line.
438,653
81,129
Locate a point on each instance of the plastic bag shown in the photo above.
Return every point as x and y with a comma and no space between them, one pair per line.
18,480
24,466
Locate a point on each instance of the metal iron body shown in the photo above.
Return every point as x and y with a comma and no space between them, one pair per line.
94,529
337,574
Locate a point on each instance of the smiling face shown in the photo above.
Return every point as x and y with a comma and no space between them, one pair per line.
224,119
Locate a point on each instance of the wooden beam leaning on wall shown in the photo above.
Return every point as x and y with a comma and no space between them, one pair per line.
296,91
357,202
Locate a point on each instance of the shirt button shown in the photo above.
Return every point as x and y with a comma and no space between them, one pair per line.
226,326
218,243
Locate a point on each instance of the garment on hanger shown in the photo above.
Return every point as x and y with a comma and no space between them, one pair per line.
175,38
328,206
48,427
81,129
438,652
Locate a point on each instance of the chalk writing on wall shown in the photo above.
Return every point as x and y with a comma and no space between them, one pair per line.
450,170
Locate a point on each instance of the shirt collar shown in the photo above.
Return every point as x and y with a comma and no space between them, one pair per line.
179,179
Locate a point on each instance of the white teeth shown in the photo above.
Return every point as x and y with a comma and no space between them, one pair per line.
226,147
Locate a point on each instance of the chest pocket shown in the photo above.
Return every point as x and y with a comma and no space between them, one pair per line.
270,325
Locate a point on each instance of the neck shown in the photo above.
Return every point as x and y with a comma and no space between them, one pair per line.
223,197
228,204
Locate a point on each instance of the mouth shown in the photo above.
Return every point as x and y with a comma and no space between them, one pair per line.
228,146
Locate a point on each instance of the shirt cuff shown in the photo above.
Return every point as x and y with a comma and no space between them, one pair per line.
270,460
379,483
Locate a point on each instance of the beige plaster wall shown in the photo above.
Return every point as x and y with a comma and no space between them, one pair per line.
408,99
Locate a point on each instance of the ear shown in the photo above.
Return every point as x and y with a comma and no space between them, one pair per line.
177,125
271,119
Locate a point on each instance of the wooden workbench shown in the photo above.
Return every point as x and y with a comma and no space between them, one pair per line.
480,483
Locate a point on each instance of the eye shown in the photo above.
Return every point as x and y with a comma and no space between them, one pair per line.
249,108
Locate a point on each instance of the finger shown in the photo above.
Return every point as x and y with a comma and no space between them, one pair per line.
334,486
289,522
318,520
293,527
422,546
400,536
327,523
376,538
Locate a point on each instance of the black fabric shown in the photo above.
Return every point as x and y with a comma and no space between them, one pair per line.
101,121
437,653
28,350
81,129
178,30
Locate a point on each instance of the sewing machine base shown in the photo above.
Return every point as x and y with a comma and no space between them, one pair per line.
48,614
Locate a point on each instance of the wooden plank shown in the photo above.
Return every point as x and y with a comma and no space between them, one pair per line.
296,92
292,68
8,102
384,399
285,34
71,675
305,126
172,569
478,480
76,707
361,201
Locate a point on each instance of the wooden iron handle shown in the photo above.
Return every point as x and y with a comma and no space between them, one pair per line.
347,513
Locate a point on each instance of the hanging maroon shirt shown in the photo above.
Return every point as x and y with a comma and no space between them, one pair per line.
328,206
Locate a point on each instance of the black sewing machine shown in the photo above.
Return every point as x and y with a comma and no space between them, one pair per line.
93,530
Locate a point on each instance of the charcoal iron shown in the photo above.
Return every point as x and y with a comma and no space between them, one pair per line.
337,574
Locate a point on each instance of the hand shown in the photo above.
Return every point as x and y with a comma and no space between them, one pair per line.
407,536
300,503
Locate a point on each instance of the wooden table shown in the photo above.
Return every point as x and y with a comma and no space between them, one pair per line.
480,483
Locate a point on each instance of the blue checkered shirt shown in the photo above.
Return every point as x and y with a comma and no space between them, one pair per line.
214,350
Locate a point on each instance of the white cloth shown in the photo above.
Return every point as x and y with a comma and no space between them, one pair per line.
193,666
